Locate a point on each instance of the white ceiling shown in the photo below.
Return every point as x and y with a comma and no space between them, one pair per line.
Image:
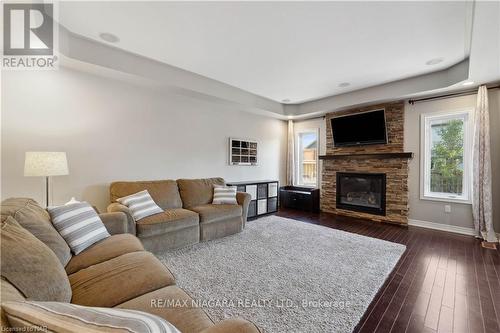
285,50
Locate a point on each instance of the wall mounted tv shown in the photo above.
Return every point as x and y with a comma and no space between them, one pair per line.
365,128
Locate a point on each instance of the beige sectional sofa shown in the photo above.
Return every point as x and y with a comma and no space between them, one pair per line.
116,272
188,217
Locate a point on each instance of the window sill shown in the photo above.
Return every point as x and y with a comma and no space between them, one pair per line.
444,199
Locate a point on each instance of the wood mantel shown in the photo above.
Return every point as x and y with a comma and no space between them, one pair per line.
366,156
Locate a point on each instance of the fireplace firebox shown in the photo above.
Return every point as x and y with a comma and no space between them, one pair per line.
362,192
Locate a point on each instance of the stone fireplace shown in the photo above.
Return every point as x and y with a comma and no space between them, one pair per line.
361,192
370,181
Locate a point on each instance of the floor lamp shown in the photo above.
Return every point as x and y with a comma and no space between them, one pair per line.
45,164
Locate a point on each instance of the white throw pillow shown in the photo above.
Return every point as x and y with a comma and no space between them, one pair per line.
78,224
224,195
140,204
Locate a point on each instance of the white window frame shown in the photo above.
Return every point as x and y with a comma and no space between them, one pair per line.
425,157
297,154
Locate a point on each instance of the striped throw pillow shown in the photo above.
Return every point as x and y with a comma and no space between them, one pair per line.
66,317
224,195
78,224
140,204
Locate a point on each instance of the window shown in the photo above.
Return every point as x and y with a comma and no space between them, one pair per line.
307,148
446,146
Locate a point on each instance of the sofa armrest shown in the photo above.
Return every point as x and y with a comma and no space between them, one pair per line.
243,200
115,223
117,207
236,325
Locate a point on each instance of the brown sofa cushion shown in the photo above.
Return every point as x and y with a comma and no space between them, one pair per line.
8,293
233,325
119,279
115,222
106,249
31,266
168,221
195,192
213,213
181,313
164,192
36,220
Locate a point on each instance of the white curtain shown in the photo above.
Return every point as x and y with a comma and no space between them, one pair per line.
481,204
290,163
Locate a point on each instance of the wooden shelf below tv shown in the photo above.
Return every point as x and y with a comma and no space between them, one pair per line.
366,156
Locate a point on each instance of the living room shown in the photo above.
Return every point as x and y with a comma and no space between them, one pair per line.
292,179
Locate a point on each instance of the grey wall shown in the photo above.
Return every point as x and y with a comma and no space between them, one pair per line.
112,130
433,211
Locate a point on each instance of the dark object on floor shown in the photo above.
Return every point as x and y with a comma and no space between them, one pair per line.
301,198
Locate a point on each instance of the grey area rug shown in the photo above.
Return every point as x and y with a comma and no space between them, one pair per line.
286,275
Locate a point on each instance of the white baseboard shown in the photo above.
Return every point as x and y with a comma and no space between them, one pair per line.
442,227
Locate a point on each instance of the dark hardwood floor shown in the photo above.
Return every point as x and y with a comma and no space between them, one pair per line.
444,282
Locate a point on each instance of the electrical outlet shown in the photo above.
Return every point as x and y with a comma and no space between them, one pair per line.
447,208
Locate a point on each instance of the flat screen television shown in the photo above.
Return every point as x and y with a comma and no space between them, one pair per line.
366,128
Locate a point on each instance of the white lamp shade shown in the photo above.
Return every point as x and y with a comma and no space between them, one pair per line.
43,163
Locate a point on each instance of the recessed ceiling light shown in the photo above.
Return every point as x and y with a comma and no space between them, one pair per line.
286,100
468,83
434,61
344,84
110,38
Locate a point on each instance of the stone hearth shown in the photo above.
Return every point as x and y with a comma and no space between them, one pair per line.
388,159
